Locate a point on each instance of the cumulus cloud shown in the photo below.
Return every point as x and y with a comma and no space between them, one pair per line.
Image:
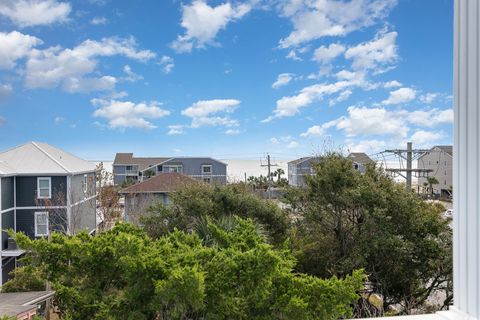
314,19
344,95
202,23
72,69
392,84
325,54
378,54
176,129
98,21
289,106
428,97
402,95
314,131
423,138
127,114
27,13
364,121
212,113
282,80
14,46
167,64
293,145
130,75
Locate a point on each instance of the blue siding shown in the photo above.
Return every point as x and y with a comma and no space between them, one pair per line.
7,193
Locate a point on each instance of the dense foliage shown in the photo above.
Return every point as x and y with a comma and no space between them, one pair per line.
199,202
125,274
347,220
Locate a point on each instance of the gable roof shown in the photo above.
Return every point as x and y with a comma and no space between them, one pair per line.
447,149
300,160
142,162
41,158
360,157
161,183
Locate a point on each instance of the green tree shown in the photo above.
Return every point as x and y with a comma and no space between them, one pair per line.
124,274
431,182
199,202
348,220
26,278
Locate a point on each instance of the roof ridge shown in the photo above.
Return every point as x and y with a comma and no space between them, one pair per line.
51,157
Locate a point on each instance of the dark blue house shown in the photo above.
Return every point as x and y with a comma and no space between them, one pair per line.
43,189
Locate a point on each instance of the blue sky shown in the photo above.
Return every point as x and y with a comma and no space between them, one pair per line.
229,79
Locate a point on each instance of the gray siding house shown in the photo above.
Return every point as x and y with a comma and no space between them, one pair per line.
126,167
300,168
440,160
157,189
43,189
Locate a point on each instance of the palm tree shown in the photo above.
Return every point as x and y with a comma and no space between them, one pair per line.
425,187
278,173
432,181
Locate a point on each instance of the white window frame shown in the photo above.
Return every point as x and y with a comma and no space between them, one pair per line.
37,213
85,183
207,166
49,187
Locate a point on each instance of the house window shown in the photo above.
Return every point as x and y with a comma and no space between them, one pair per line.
85,183
207,180
44,188
129,168
207,169
173,168
41,224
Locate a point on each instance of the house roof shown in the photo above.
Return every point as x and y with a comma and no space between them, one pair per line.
147,162
300,160
446,149
161,183
41,158
360,157
16,303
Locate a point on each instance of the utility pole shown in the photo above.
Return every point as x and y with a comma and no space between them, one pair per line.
408,155
269,177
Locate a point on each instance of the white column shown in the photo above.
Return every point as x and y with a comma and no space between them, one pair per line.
466,159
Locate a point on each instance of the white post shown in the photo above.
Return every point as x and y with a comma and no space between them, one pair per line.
466,159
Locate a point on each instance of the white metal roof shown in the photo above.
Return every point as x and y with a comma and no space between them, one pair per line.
41,158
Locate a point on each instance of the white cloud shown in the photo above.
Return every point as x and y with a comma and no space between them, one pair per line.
202,23
363,121
6,91
72,69
314,131
130,75
402,95
367,146
206,113
282,80
422,138
392,84
167,64
325,54
27,13
292,145
232,132
431,117
344,95
127,114
176,129
292,54
378,54
314,19
14,46
98,21
372,121
428,97
58,120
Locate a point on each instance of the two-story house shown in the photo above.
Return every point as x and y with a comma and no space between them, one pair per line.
43,189
127,168
440,160
300,168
